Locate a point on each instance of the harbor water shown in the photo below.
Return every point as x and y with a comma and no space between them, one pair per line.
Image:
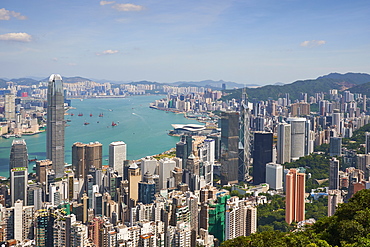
144,130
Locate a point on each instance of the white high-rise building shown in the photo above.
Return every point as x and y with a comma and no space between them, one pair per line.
148,164
9,107
336,122
117,155
283,143
274,176
240,218
19,221
298,137
166,166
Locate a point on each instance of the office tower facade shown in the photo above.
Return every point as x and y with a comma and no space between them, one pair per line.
18,165
229,147
336,122
9,107
117,156
274,176
166,166
335,146
334,174
308,138
295,196
367,142
86,156
147,189
262,154
55,124
184,148
244,139
283,143
148,164
134,178
364,103
334,198
298,134
18,154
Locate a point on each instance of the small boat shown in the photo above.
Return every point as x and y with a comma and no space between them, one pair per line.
101,115
114,124
86,123
80,114
31,160
69,120
110,110
90,114
72,114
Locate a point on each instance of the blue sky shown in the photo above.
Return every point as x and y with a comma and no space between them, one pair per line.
245,41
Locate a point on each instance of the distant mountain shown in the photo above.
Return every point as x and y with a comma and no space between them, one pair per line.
145,82
321,84
24,81
213,84
355,78
74,79
3,83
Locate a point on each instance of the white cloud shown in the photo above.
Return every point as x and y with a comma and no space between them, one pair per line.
107,52
20,37
5,15
127,7
313,43
106,2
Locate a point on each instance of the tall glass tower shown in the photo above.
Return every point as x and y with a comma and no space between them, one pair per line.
18,171
55,124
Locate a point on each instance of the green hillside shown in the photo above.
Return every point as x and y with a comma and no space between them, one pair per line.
321,84
363,89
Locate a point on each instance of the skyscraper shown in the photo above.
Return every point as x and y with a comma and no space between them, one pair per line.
274,176
295,193
335,146
147,189
117,155
229,147
18,171
262,154
86,156
283,143
298,134
55,124
244,139
367,142
9,107
334,174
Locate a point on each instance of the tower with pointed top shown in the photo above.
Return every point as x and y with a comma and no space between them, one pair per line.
244,139
55,124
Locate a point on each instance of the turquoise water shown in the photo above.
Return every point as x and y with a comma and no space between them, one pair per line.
143,129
